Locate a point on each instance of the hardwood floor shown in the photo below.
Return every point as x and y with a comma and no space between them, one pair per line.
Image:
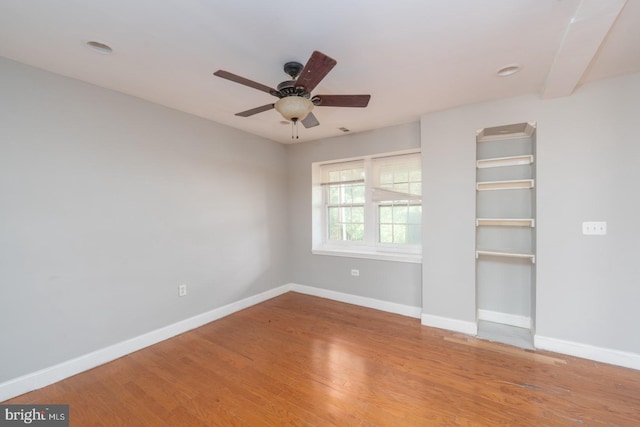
302,360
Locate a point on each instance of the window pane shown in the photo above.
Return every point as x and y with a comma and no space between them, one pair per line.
400,214
399,234
385,213
358,193
386,233
415,188
346,222
346,215
357,215
335,232
355,232
334,195
414,234
400,224
334,215
402,175
386,176
415,215
335,227
346,195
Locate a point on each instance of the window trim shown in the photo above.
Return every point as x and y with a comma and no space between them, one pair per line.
370,248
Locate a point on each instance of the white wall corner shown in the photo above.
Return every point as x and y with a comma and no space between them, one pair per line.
456,325
390,307
52,374
585,351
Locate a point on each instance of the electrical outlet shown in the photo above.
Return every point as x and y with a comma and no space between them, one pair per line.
355,272
182,290
594,228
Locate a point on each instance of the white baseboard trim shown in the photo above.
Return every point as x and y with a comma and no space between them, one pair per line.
504,318
469,328
390,307
585,351
50,375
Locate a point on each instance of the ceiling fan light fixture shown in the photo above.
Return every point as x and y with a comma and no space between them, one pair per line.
294,108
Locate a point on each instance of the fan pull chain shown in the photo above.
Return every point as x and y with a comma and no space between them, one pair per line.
294,126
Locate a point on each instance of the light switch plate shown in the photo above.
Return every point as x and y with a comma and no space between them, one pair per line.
594,228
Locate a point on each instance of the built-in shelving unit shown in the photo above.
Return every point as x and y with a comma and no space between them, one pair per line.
505,218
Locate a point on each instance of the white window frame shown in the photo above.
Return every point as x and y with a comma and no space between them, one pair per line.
370,247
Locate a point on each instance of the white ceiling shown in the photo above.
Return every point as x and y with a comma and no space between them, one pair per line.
412,56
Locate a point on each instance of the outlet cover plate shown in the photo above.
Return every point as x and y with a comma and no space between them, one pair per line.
182,290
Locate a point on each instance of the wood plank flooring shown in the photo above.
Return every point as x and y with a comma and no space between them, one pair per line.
302,360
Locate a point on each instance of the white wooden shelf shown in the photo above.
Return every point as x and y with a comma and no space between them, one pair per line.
526,159
516,184
506,222
506,254
520,130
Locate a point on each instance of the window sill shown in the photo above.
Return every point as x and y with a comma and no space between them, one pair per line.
415,258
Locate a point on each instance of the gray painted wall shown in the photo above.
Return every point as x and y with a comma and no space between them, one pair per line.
108,203
587,170
397,282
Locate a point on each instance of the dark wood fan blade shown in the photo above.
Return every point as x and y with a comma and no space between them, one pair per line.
235,78
256,110
310,121
316,68
343,100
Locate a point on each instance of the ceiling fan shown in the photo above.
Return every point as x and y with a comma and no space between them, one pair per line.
295,101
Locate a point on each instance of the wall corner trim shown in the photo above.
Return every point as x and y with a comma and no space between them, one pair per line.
44,377
586,351
456,325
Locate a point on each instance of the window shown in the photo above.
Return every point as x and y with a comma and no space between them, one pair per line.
369,207
345,200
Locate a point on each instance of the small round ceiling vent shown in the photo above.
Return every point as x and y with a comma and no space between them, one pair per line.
99,47
508,70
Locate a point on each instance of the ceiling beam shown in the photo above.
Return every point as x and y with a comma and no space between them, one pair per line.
584,35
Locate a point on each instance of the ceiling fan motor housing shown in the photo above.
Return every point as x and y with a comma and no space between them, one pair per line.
293,69
289,88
